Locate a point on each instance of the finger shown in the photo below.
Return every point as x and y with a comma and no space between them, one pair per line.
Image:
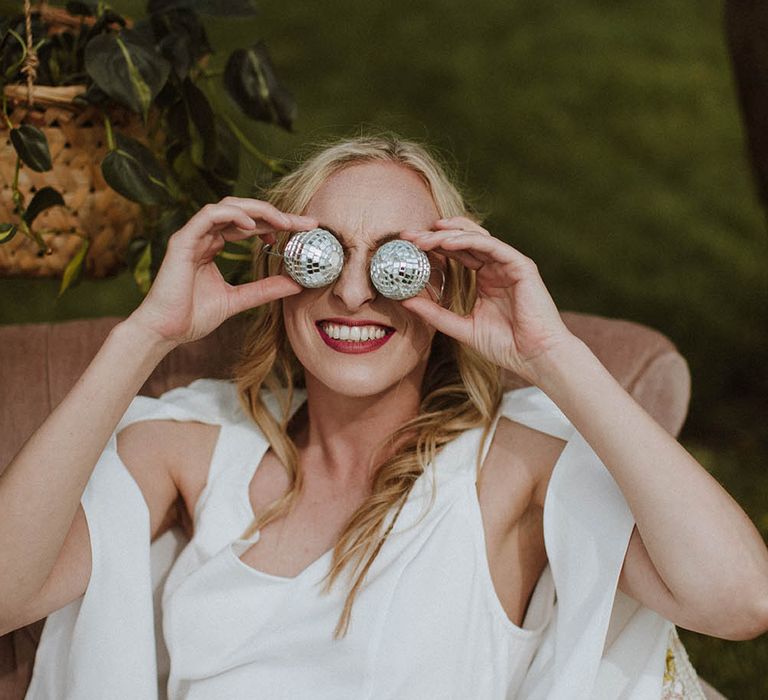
483,247
420,239
440,318
209,219
465,258
253,294
278,220
428,234
228,232
461,222
433,241
233,233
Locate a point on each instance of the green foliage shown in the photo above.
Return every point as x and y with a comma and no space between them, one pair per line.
44,198
155,70
251,81
131,169
32,147
74,267
7,231
127,68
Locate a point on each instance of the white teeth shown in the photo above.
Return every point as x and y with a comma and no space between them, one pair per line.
353,333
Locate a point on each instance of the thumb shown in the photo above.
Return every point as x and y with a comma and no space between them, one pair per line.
458,327
253,294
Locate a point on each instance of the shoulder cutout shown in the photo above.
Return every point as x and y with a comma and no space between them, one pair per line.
519,463
169,460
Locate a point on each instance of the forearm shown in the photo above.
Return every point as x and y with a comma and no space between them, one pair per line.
703,545
41,488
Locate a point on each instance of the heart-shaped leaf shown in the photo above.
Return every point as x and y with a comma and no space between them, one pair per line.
44,199
32,147
250,79
74,268
181,38
177,49
133,171
7,231
127,68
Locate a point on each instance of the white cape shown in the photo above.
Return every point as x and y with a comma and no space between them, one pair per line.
600,644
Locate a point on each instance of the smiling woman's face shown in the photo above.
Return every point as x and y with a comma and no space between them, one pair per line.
363,204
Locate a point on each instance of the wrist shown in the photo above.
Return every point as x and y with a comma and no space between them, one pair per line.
143,339
551,368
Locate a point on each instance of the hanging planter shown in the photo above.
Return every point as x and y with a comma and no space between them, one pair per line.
70,210
107,141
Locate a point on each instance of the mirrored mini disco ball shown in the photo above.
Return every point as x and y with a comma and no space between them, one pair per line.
313,258
400,270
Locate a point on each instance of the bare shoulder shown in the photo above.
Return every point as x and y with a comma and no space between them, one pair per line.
169,461
519,464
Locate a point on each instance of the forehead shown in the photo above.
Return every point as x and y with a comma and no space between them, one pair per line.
367,201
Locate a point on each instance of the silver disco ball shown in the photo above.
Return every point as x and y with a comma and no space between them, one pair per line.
399,270
313,258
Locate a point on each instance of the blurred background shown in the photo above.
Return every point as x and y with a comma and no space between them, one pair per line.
602,139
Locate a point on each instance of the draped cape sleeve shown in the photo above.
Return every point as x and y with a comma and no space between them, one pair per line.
103,645
601,643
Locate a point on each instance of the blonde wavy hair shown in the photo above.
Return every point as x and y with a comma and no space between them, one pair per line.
461,390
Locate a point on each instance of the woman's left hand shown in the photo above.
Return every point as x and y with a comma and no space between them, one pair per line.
514,322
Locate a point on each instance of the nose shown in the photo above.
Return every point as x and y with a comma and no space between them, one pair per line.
353,286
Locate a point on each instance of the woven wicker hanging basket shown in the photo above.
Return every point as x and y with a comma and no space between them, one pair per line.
77,141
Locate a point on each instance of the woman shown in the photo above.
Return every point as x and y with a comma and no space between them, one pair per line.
344,543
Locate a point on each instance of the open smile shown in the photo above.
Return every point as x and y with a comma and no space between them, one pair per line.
353,336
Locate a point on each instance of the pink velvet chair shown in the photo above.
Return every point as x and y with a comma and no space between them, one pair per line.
41,362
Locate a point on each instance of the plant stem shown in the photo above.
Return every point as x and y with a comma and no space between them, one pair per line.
274,165
18,197
19,204
108,130
8,121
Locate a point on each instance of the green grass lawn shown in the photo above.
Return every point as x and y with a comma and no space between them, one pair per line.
602,139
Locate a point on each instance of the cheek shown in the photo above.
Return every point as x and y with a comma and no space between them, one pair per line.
297,309
419,336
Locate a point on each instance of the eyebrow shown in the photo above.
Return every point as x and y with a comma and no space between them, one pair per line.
378,242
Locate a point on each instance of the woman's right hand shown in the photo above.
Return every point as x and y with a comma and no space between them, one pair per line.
189,298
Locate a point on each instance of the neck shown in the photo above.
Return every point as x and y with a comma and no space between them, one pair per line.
342,433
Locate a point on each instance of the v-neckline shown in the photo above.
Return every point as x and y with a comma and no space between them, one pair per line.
244,489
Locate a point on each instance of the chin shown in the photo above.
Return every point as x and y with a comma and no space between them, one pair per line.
360,375
356,377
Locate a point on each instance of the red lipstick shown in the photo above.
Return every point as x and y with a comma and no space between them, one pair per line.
353,347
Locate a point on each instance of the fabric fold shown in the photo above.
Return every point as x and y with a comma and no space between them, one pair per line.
103,644
587,527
